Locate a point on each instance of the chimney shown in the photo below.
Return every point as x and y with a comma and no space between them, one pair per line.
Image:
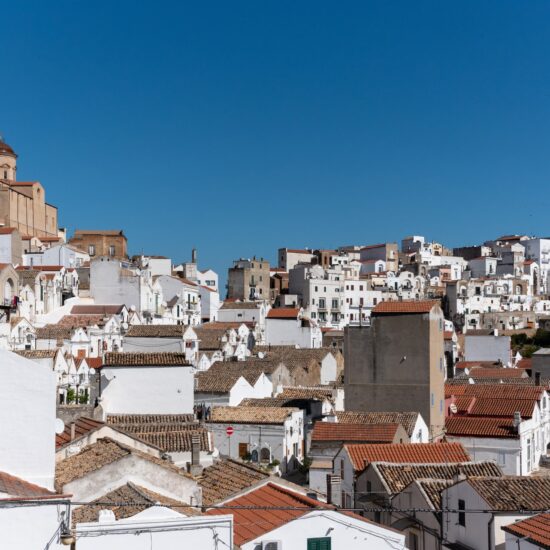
195,467
334,490
73,430
517,421
537,378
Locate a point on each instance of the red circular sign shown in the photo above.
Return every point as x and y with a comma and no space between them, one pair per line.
229,430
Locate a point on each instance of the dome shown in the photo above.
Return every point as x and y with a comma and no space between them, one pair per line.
5,149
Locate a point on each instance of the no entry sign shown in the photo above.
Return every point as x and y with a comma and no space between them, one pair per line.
229,430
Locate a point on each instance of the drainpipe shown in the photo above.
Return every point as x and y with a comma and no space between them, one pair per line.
489,531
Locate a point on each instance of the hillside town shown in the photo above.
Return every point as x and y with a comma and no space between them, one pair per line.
377,396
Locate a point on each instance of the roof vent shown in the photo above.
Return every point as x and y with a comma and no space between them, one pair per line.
106,516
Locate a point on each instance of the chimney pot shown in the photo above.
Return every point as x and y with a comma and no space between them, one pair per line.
334,490
537,378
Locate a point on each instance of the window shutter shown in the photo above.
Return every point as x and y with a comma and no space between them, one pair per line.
319,544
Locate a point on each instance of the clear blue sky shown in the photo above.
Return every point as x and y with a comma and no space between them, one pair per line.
240,127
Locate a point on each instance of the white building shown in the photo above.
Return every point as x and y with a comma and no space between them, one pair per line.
265,434
287,327
146,383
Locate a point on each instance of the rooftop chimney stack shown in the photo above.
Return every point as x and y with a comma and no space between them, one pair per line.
517,420
334,490
537,378
73,430
195,467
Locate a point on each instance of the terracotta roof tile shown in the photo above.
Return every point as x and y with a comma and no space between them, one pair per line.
469,364
227,477
155,331
137,359
535,530
484,406
406,419
93,309
283,313
142,420
365,433
250,524
82,426
17,487
127,501
405,306
53,332
477,426
398,476
495,391
362,455
497,373
37,353
513,493
251,415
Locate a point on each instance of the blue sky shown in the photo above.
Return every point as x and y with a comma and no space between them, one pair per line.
240,127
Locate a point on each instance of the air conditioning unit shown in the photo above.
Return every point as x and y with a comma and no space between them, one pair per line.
270,545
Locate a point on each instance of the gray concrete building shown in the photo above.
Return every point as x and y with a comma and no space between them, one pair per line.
397,363
248,280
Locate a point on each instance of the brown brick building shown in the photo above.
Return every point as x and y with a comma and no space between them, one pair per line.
111,243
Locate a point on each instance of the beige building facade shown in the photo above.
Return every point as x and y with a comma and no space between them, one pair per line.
96,243
23,204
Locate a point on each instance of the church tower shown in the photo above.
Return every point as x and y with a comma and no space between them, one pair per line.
8,161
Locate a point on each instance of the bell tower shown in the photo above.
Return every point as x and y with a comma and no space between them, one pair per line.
8,161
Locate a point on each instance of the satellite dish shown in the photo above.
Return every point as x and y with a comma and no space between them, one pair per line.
453,408
109,375
59,426
261,355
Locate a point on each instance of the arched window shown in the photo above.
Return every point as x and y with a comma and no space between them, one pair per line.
265,455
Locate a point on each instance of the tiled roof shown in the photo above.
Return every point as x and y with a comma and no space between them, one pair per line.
106,232
137,359
127,501
17,487
296,358
266,402
464,379
223,375
405,306
250,415
283,313
535,530
142,420
403,453
210,339
83,426
469,364
495,391
476,426
307,392
97,455
513,493
76,321
398,476
365,433
53,332
250,524
155,331
92,362
406,419
240,305
525,363
483,372
484,406
92,309
227,477
224,325
432,489
37,353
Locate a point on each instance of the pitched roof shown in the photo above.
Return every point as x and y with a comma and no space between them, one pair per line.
484,372
127,501
82,426
97,309
251,415
249,524
77,321
432,489
227,477
319,393
495,391
365,433
37,353
479,426
17,487
210,339
138,359
406,419
155,331
403,453
223,375
97,455
405,307
283,313
240,305
535,530
398,476
484,406
142,420
53,332
514,493
469,364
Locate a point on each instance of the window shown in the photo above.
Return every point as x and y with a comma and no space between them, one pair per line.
112,250
461,512
323,543
91,249
342,468
501,458
243,450
335,303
